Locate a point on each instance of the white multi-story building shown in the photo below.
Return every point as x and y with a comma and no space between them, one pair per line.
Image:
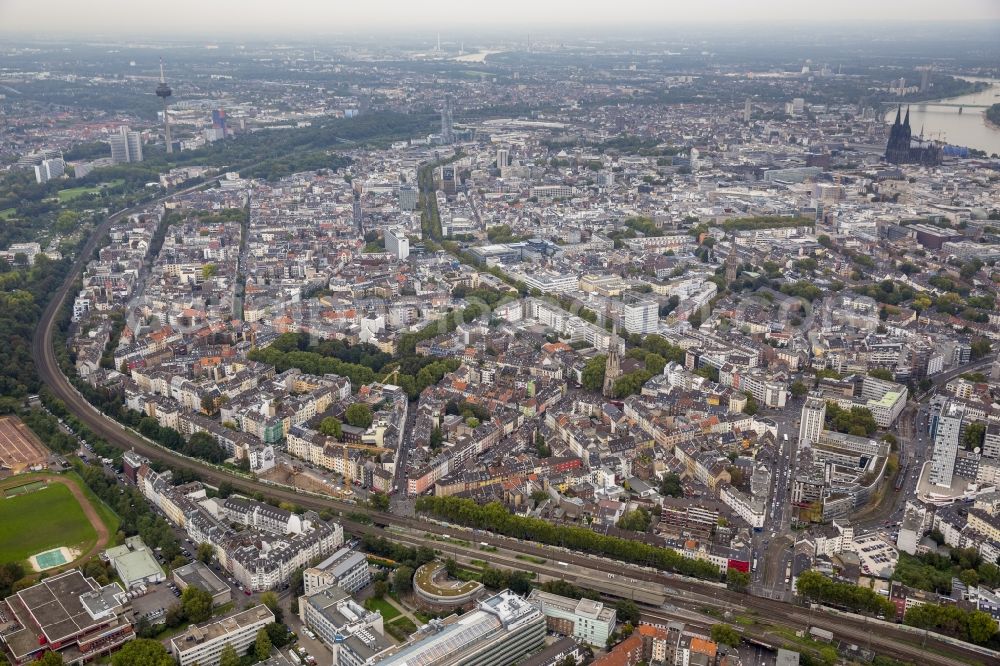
813,417
885,400
550,282
49,169
590,621
336,617
946,440
346,568
641,315
550,192
397,243
752,510
203,645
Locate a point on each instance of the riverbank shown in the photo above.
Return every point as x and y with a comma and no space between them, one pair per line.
947,121
992,117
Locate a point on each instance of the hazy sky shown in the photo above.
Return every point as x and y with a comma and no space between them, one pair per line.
288,17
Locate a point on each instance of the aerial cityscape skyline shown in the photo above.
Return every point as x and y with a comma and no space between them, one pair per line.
633,334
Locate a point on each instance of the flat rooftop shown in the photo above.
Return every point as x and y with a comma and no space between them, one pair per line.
195,636
201,576
55,605
425,580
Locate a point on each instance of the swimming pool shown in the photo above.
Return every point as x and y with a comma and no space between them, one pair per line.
50,558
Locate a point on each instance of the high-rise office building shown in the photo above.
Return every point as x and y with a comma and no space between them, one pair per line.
813,417
747,110
49,169
408,197
503,157
126,146
119,148
447,130
134,142
397,243
219,120
640,315
946,440
449,180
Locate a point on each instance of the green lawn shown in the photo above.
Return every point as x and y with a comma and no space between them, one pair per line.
7,213
73,192
389,612
42,520
401,629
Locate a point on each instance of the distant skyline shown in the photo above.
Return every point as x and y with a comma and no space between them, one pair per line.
181,18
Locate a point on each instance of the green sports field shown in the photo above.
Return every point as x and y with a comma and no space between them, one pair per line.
43,519
73,192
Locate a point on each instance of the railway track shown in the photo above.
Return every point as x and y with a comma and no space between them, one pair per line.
48,369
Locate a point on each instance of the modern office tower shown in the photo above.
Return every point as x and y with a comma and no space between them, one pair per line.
946,441
397,243
134,142
219,120
126,146
408,197
49,169
747,110
447,130
640,315
991,442
503,157
119,148
163,91
813,417
449,180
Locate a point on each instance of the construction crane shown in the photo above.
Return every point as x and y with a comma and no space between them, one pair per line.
394,375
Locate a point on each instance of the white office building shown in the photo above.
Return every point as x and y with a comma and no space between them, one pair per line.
348,569
946,441
49,169
590,621
640,315
397,243
203,645
126,146
335,617
813,417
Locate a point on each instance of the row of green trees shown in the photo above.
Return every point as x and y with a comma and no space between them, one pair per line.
814,586
428,371
967,625
494,517
933,572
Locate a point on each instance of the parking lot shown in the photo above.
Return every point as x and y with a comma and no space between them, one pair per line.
154,604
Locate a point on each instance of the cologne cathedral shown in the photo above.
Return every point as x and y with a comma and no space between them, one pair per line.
902,148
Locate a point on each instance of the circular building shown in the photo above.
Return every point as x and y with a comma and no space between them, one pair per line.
435,590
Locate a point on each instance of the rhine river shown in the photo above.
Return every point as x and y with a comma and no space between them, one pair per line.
968,128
